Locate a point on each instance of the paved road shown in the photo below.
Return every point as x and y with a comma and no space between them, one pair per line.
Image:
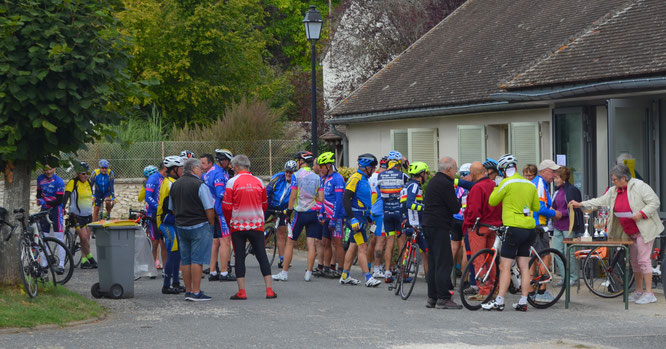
326,314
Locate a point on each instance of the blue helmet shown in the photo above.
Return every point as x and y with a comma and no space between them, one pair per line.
490,164
367,160
149,170
104,163
394,156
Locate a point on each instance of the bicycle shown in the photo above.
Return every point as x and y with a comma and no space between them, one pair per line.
542,276
603,271
270,236
72,240
406,268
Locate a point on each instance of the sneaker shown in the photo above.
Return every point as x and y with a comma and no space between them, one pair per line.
447,304
646,298
60,270
169,290
520,307
372,282
206,271
93,262
545,297
378,274
215,277
389,279
201,297
237,297
317,272
228,277
493,305
86,265
430,303
470,291
188,295
408,279
349,281
308,276
158,265
281,276
635,296
179,288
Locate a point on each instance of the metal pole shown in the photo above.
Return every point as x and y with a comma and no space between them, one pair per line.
314,101
270,157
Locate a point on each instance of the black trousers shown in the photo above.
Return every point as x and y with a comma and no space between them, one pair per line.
440,262
256,239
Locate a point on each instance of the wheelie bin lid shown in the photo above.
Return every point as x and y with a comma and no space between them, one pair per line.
116,223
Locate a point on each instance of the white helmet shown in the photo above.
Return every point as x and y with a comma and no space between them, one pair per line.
465,167
506,161
223,154
173,161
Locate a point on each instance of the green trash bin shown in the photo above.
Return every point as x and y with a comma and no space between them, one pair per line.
115,258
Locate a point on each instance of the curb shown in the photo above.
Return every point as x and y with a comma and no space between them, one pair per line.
15,330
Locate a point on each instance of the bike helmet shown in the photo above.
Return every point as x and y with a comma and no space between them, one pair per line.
304,155
383,163
326,158
490,164
367,160
186,154
291,166
394,156
149,170
85,166
417,167
506,161
223,154
103,163
173,161
464,169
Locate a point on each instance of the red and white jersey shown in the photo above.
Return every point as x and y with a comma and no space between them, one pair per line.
244,202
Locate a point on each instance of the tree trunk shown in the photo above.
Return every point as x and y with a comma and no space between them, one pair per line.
16,195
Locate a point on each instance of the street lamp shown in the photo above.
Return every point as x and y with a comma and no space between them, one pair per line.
313,23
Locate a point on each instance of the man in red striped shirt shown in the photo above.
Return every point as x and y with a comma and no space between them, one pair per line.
243,206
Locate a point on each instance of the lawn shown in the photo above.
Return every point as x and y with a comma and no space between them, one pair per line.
53,305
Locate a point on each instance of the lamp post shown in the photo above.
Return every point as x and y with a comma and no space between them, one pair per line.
313,23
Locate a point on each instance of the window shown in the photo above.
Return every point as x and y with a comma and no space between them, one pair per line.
524,142
417,144
399,141
471,143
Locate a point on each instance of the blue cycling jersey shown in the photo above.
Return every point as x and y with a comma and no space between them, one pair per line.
278,191
48,190
152,193
334,188
216,179
389,185
362,200
412,199
102,183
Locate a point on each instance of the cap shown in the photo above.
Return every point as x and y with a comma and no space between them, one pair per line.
548,164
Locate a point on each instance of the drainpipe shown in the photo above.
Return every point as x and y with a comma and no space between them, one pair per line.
345,145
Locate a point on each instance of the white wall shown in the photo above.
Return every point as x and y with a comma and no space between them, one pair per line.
375,137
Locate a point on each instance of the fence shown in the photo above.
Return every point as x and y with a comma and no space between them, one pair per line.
266,156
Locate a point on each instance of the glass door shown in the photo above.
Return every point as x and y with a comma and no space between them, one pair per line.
629,136
574,147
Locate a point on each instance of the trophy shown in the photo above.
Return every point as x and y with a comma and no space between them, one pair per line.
600,223
587,210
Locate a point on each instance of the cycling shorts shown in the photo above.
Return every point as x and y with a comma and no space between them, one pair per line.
307,220
153,231
456,231
56,216
332,230
392,223
358,237
379,225
99,198
517,242
220,229
82,221
542,241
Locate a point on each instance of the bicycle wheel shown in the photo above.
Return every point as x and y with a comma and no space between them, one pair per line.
397,271
53,253
544,278
49,268
603,272
271,244
410,274
72,243
483,277
27,267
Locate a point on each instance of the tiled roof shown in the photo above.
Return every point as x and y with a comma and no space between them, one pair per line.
465,57
630,42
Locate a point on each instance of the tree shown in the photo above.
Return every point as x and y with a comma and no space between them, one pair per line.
62,77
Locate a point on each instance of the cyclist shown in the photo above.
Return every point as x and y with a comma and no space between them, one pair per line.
216,179
166,223
152,202
332,213
187,154
518,197
147,172
390,184
491,170
457,233
50,191
102,180
80,190
357,201
302,199
377,212
278,192
411,200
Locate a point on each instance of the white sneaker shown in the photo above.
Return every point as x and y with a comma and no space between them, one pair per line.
646,298
372,282
308,275
378,274
387,274
281,276
349,281
635,296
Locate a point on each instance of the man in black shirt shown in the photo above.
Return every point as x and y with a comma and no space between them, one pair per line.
441,204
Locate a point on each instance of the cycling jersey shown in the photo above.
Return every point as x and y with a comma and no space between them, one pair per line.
411,198
278,192
102,183
163,199
544,212
152,191
50,192
216,179
306,183
359,187
142,194
517,195
81,196
377,207
334,188
389,185
461,194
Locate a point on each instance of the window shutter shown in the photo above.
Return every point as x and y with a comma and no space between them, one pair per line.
399,141
524,142
471,143
423,146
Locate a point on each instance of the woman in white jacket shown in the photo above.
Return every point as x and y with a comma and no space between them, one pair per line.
638,207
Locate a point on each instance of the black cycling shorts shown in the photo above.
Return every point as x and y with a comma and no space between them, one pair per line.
517,242
456,231
542,241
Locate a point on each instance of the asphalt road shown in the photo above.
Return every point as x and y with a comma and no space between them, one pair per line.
324,313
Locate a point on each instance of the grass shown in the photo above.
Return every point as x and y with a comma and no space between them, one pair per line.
53,305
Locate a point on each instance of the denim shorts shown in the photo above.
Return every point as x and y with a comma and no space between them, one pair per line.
195,244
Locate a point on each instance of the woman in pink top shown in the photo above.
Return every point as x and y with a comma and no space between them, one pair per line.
639,205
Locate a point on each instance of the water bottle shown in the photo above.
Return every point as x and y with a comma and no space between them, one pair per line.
526,211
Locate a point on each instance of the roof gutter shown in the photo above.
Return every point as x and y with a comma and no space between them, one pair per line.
584,89
425,112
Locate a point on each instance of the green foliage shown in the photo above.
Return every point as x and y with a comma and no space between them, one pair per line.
140,128
62,76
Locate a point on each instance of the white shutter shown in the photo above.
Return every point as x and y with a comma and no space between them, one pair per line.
399,141
423,146
524,142
471,143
